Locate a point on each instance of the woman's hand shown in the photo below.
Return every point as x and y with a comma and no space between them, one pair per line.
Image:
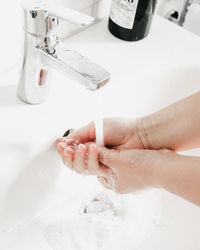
130,170
118,133
122,170
82,158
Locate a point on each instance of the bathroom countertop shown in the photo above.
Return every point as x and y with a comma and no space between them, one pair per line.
146,76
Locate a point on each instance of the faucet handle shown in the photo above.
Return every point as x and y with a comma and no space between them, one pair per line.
70,15
58,11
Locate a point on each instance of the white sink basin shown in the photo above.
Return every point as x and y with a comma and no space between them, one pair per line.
38,194
146,76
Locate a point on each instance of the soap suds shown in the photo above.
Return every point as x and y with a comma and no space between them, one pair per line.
106,221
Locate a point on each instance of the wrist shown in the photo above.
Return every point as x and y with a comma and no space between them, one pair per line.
148,133
133,135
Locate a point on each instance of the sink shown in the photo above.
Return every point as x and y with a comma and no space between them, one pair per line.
38,194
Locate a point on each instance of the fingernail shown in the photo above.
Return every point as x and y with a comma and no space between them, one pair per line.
67,132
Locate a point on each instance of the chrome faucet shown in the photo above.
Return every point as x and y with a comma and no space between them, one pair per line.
43,51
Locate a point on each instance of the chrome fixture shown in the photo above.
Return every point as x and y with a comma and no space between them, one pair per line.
42,51
178,16
186,4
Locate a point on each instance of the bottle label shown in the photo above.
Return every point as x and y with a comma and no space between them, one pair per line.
123,12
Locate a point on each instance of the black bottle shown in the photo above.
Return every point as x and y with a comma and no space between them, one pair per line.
130,20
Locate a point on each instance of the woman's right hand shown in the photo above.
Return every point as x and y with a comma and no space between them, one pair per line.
119,133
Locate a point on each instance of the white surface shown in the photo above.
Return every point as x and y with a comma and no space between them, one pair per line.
170,7
107,225
164,6
101,8
192,19
146,76
10,33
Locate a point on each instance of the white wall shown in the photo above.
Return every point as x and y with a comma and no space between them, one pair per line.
10,32
96,8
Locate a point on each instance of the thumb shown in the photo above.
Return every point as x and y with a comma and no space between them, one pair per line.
83,134
108,157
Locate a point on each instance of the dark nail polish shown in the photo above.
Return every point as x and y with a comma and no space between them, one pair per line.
67,133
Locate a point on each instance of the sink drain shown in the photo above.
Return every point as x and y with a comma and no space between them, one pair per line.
98,205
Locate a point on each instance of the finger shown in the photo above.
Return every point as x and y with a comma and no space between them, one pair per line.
60,147
65,140
101,180
79,159
115,131
84,134
108,157
67,156
104,182
105,169
93,162
164,150
62,139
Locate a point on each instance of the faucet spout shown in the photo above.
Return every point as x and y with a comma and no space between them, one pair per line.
71,63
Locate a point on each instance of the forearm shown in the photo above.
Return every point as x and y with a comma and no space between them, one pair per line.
180,175
176,127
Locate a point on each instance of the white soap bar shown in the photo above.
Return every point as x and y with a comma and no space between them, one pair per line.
99,132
